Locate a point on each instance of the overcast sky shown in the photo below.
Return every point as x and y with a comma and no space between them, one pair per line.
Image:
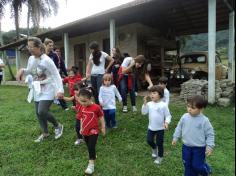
67,12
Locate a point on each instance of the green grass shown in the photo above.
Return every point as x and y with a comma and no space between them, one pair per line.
7,74
123,152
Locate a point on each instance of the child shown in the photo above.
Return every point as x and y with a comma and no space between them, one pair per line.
163,83
77,108
107,99
197,135
159,119
74,77
91,113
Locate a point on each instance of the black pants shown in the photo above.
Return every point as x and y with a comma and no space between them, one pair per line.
0,79
77,129
62,103
91,142
158,142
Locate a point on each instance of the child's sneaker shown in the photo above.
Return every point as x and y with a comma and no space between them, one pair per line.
79,141
134,109
41,138
90,169
58,131
125,109
158,160
154,153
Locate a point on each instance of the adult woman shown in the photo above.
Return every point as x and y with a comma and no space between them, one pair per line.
96,67
118,59
44,91
131,67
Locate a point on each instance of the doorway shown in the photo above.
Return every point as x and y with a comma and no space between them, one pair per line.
80,57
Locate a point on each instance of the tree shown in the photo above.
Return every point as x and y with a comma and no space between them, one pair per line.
40,8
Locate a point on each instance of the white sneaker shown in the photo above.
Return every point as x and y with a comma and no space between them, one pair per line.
90,169
59,131
136,94
79,141
158,160
134,109
154,153
40,138
125,109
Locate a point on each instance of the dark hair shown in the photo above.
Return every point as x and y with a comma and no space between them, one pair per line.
163,80
126,55
96,53
85,92
80,85
197,101
158,89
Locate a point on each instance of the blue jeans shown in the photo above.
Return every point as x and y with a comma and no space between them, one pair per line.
194,161
96,81
124,91
159,136
110,117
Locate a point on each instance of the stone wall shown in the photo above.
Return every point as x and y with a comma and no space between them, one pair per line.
225,90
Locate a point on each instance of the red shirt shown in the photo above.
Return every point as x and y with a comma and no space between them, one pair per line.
71,80
90,119
78,108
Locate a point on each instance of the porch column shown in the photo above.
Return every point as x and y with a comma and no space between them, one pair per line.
112,34
66,48
211,49
17,59
231,56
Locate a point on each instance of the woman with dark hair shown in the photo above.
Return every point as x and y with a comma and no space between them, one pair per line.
130,68
118,59
96,67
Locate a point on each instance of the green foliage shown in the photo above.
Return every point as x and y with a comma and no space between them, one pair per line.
123,152
199,42
10,36
7,74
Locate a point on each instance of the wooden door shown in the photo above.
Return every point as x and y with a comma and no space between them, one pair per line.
80,57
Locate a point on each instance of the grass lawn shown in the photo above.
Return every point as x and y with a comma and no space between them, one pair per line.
123,152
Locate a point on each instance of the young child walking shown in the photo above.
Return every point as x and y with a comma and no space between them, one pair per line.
91,114
74,77
159,119
77,107
107,99
163,83
197,135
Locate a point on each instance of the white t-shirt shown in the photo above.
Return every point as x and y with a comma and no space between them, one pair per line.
158,114
107,97
127,61
100,69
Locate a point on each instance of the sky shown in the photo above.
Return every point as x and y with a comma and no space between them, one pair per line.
68,11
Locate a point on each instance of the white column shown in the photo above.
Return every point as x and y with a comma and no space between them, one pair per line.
231,56
112,34
211,49
66,48
17,59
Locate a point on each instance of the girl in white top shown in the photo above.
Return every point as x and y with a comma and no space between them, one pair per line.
96,67
107,99
50,87
163,83
159,119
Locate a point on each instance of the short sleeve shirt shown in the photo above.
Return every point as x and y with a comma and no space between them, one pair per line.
127,61
99,69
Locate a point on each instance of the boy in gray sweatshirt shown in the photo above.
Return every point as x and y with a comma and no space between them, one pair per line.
197,135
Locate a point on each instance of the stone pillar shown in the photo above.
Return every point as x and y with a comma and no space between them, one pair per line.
112,34
66,48
231,53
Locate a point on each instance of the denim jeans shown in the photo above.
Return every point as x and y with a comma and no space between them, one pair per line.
96,81
110,117
124,90
194,161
